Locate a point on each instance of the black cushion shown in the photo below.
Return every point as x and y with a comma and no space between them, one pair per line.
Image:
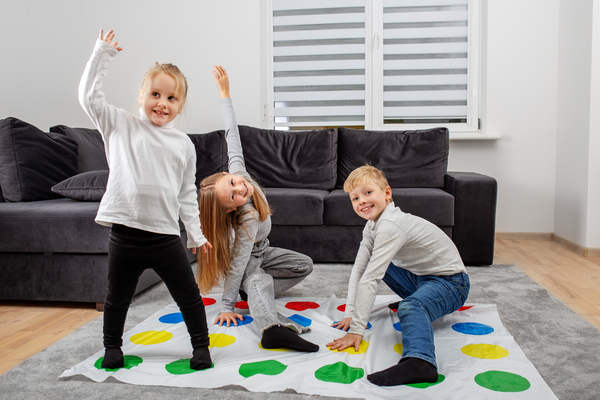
32,161
432,204
291,159
52,226
211,153
296,206
88,186
407,158
90,147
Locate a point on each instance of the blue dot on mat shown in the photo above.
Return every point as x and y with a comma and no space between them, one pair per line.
247,319
472,328
300,320
398,327
173,318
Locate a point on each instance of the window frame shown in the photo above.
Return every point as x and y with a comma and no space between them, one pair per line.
472,129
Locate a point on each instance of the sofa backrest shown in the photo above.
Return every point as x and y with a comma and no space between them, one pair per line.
211,153
32,161
291,159
416,158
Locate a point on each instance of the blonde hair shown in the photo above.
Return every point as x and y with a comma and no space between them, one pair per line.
364,175
218,226
181,86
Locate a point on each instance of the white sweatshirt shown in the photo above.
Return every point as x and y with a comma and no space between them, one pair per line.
152,167
407,241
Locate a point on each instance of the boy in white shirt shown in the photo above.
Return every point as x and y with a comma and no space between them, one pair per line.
417,260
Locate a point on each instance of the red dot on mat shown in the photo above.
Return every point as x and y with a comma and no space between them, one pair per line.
242,304
208,301
342,308
301,305
465,308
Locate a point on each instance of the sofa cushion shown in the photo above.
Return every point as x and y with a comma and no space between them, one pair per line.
32,161
296,206
211,153
52,226
407,158
432,204
291,159
91,155
88,186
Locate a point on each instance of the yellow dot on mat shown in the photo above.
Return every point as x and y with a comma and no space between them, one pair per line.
220,340
486,351
277,349
398,348
350,350
151,337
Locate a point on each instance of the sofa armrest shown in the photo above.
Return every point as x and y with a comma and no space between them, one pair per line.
474,215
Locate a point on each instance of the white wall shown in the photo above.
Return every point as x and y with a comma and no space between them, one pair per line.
46,44
50,41
573,123
593,228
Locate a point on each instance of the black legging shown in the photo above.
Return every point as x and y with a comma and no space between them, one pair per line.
130,252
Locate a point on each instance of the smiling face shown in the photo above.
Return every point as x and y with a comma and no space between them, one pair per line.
233,191
369,200
160,100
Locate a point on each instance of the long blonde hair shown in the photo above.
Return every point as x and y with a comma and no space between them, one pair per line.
218,226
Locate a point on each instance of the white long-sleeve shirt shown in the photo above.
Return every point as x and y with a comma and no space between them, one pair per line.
409,242
152,167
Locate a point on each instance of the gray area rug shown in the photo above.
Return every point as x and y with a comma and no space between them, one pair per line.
562,345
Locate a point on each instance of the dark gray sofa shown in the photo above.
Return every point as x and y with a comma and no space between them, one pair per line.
51,183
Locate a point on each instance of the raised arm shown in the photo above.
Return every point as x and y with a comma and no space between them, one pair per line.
232,133
91,97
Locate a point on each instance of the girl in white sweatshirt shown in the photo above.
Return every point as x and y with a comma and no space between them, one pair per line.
150,187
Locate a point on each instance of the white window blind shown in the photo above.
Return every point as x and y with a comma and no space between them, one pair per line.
318,62
382,64
425,68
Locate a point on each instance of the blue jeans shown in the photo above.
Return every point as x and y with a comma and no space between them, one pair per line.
424,299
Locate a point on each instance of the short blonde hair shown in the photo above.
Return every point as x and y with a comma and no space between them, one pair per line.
364,175
181,86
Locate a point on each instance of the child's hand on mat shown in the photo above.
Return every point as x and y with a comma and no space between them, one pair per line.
343,325
204,247
110,35
229,318
349,340
222,81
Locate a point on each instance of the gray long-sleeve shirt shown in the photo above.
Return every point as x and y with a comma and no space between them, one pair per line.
255,230
410,242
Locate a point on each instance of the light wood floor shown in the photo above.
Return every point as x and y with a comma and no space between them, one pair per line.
27,328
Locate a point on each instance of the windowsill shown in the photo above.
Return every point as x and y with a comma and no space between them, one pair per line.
478,135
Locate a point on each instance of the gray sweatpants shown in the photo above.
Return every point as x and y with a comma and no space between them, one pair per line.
270,271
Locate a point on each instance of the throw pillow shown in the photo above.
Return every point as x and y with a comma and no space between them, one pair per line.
90,147
291,159
407,158
32,161
88,186
211,153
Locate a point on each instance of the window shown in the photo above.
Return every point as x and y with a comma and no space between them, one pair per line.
378,64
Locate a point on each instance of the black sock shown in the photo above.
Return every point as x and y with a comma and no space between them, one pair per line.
408,370
201,359
279,336
113,358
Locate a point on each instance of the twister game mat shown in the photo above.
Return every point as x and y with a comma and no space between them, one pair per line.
477,357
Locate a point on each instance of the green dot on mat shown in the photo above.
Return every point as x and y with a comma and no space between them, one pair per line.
500,381
268,367
339,373
130,362
182,367
425,385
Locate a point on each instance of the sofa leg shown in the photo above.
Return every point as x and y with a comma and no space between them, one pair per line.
99,307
